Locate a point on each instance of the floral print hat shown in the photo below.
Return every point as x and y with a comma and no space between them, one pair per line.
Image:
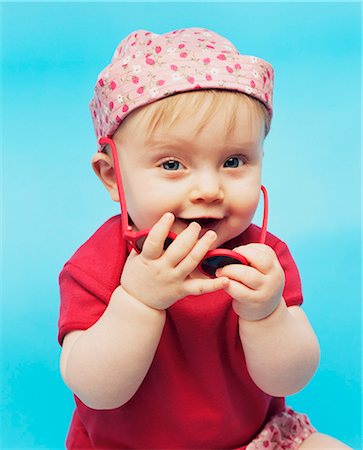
147,66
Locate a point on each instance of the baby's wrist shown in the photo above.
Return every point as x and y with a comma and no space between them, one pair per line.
276,313
123,295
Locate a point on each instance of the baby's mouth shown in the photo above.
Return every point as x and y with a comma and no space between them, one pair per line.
204,222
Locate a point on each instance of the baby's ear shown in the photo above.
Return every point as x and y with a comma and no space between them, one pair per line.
102,165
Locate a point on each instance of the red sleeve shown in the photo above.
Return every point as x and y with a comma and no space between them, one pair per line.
83,300
89,278
292,291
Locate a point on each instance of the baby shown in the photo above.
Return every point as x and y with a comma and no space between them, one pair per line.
180,321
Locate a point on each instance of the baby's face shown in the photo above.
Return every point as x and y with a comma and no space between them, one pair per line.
205,178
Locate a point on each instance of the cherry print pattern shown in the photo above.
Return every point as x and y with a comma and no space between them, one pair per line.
285,431
146,67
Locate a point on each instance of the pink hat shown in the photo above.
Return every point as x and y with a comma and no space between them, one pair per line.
147,67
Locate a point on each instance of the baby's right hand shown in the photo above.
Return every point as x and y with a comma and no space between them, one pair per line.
159,278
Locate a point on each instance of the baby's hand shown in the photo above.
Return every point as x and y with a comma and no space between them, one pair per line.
158,277
256,289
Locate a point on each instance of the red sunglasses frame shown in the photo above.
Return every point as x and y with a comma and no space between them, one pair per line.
132,237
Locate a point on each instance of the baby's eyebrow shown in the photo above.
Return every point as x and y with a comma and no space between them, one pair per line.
178,141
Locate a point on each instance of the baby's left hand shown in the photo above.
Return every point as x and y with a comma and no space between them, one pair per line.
256,289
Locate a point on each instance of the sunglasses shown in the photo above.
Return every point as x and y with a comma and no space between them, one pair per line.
213,259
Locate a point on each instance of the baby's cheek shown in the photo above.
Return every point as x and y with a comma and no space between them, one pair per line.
244,213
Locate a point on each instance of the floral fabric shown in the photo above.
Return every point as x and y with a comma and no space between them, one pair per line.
286,430
147,67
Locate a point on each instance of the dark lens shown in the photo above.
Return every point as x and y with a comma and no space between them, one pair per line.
210,265
140,242
167,242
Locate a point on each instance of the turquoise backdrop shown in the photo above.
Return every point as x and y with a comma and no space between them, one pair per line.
52,201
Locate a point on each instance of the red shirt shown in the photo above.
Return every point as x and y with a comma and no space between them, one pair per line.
197,393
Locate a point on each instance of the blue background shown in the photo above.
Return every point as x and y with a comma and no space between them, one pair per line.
52,201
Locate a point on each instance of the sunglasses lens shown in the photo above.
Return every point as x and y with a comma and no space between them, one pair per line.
211,264
141,240
167,242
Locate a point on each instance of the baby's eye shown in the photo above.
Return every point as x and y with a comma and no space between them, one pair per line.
171,164
234,161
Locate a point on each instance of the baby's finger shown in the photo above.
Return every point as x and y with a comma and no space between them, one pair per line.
239,291
194,257
260,256
153,246
183,244
199,286
246,275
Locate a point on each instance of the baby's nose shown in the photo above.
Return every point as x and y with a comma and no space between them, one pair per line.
207,187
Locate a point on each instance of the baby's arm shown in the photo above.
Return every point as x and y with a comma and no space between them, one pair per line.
281,349
105,365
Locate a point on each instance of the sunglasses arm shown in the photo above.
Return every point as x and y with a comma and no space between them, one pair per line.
124,218
265,215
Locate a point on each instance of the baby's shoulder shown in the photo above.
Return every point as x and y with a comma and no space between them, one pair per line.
101,256
103,240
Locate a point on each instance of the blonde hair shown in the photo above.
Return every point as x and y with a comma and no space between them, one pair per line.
173,109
